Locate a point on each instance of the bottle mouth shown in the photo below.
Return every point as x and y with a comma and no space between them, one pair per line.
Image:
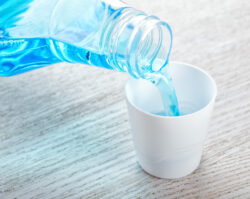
154,48
137,43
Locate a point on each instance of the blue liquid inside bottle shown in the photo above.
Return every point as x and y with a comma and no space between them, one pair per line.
21,55
108,34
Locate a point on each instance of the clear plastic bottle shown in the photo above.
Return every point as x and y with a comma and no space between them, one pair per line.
105,33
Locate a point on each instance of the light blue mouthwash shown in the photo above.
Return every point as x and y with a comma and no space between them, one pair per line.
104,33
163,82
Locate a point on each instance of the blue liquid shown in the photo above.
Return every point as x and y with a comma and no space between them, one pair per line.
163,81
28,41
168,95
21,55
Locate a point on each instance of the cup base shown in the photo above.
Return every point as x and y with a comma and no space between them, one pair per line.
170,169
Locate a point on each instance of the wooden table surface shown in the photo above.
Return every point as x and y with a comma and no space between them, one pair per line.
64,129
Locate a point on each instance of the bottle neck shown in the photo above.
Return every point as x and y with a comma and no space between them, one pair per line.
136,43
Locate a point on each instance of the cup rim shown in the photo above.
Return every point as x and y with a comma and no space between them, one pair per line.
181,116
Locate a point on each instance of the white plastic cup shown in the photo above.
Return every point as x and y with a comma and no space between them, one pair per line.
171,147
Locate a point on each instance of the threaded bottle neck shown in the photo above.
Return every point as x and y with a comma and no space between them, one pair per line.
136,43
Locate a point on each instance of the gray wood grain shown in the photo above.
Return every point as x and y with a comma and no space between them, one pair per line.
64,129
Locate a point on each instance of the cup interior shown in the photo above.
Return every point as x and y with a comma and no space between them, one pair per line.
195,89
